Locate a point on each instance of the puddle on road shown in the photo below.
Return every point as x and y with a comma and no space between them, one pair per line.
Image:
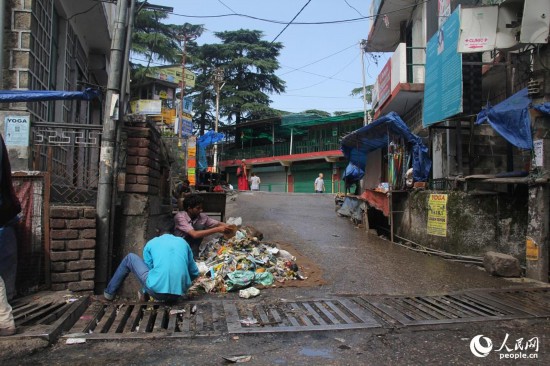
316,352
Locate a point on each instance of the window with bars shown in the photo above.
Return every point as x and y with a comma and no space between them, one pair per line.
40,54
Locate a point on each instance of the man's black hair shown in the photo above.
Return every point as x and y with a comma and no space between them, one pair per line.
165,226
192,201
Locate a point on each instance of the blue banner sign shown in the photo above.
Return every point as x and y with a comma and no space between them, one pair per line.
443,85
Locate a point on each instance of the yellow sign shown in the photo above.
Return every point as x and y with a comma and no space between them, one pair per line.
437,215
191,176
172,75
531,249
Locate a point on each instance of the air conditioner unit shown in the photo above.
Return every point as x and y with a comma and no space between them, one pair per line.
536,21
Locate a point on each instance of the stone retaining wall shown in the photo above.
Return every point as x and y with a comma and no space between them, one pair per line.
72,250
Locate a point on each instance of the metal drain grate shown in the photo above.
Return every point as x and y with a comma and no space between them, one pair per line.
148,320
296,316
46,317
464,307
534,301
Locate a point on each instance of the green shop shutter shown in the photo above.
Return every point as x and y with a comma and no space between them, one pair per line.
304,177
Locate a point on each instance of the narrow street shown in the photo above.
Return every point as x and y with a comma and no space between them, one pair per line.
351,264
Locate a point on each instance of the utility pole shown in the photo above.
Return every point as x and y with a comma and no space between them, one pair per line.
219,83
363,47
184,37
107,152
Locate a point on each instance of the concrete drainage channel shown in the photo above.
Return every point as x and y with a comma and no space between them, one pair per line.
88,319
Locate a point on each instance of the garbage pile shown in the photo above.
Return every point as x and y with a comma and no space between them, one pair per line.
241,261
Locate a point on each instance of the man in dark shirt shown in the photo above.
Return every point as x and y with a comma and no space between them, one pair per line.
9,210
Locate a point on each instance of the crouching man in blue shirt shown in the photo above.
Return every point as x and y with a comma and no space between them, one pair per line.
165,272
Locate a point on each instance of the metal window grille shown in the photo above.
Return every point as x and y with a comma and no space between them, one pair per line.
40,54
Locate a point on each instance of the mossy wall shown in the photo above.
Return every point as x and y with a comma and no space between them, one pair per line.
475,223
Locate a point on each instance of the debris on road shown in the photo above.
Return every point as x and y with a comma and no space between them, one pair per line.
237,359
249,292
231,264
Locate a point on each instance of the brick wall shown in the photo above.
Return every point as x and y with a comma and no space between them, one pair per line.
143,162
72,250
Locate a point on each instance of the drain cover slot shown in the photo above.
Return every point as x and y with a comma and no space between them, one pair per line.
296,316
145,320
458,308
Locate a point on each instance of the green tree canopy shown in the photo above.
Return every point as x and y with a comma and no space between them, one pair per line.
249,65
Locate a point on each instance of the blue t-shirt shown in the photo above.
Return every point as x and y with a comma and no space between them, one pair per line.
171,265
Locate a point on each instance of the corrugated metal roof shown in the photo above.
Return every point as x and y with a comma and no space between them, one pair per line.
304,120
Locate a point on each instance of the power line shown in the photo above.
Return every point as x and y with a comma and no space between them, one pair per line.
221,2
296,16
301,23
346,1
319,60
332,77
271,20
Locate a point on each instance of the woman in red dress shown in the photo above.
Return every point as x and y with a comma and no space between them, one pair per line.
242,177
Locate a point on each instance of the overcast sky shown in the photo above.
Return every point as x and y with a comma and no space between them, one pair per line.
327,55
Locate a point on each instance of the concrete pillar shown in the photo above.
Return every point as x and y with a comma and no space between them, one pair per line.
538,230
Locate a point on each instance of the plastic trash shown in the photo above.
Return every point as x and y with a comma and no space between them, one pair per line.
249,292
237,221
240,235
249,322
203,268
237,359
283,254
242,279
75,340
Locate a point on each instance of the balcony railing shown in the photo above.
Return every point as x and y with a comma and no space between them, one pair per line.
281,149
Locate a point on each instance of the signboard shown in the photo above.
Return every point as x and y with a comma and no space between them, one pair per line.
172,75
187,127
443,11
384,83
17,130
538,151
187,104
443,87
146,106
191,156
437,215
531,249
478,29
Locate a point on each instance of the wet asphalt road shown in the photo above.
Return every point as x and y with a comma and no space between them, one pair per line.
353,262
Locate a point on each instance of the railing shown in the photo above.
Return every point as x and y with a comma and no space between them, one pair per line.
70,153
281,149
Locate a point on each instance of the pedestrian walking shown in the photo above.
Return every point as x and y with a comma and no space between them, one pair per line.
254,182
319,184
242,176
165,272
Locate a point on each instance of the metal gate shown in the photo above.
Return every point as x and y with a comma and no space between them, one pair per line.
70,154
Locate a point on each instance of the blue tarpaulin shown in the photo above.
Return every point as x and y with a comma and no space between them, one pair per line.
9,96
209,138
373,136
353,173
510,119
